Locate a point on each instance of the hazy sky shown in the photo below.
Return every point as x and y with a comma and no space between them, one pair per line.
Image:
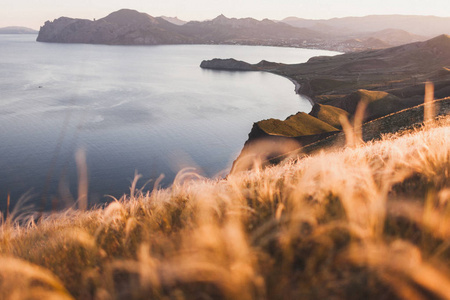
33,13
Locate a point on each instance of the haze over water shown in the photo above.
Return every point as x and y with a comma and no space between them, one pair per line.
145,108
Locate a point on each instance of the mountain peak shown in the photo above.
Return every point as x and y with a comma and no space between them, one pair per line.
221,20
441,42
174,20
129,16
443,38
123,12
220,17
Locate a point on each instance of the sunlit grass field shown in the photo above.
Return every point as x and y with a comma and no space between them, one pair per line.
370,221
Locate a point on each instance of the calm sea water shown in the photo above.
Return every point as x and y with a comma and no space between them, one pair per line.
149,109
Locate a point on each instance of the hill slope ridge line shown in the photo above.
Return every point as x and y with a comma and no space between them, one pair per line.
373,130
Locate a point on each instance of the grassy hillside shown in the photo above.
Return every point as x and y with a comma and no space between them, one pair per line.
378,103
296,125
324,78
368,221
329,114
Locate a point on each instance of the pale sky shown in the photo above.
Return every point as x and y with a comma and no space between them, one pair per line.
33,13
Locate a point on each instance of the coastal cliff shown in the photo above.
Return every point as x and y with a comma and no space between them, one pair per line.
385,81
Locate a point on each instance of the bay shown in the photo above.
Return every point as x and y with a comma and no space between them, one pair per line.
145,109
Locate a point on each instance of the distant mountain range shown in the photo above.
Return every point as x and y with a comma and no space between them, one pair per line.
17,30
428,26
129,27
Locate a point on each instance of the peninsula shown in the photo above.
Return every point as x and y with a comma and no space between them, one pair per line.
387,81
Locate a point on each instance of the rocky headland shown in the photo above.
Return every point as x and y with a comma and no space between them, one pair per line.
229,64
129,27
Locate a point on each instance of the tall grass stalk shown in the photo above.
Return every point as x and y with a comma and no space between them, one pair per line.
367,221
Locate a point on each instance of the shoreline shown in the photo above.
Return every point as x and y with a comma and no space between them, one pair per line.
296,88
233,65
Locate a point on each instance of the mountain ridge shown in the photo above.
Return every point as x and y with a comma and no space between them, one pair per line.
421,25
130,27
174,20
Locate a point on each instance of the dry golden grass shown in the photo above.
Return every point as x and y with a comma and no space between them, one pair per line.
296,125
330,114
368,221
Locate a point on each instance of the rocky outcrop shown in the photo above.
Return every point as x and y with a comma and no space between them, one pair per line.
227,64
231,64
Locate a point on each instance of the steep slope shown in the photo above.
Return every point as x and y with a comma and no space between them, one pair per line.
329,114
296,125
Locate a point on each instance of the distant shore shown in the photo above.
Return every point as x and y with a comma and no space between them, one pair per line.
234,65
297,87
